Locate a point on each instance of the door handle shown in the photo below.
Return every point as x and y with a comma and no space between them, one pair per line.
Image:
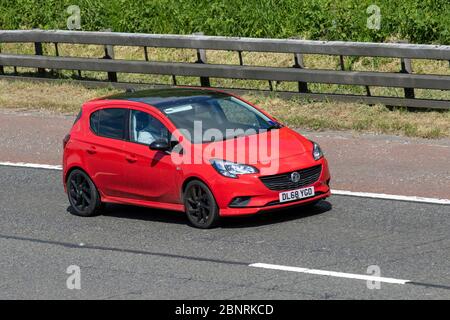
131,159
91,150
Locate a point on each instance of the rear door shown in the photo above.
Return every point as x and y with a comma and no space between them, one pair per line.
105,149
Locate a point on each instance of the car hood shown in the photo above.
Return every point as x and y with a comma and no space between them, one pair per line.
258,149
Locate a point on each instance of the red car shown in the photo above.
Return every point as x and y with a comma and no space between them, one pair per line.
201,151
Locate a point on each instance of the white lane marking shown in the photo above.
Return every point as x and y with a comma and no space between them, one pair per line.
31,165
390,197
336,192
329,273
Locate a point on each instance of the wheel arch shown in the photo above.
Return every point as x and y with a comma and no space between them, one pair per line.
76,167
193,178
186,182
71,169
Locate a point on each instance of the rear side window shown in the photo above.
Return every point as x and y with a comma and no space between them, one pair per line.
110,123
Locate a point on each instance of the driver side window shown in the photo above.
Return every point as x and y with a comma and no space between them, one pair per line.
146,129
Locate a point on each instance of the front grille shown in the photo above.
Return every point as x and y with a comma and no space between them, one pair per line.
283,181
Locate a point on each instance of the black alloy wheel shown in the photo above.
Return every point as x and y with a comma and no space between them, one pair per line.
82,193
200,205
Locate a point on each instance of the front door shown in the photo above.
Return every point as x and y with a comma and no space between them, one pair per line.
150,174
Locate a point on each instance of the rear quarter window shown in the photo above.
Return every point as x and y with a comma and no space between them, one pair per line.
110,123
94,121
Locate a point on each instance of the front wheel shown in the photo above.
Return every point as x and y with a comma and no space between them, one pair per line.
200,206
83,195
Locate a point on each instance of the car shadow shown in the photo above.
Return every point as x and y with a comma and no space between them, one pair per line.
122,211
265,218
274,217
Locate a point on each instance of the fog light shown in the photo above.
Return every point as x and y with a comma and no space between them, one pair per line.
239,202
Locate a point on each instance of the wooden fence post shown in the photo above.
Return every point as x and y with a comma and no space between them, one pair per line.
302,86
109,54
145,53
39,52
56,54
2,70
406,67
201,58
241,60
341,62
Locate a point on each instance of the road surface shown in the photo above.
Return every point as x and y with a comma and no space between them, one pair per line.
136,253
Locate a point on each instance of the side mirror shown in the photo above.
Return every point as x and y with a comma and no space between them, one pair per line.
160,145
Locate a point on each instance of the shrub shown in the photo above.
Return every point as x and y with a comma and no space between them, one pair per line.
419,21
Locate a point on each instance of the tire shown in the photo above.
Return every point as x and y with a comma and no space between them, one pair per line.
200,206
83,195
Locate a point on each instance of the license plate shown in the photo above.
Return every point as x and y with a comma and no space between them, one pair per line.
296,194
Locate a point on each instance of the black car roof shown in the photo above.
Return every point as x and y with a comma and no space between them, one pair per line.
167,96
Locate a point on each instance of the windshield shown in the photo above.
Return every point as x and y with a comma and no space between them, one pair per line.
207,118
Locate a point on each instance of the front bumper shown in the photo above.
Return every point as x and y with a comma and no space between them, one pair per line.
261,197
254,210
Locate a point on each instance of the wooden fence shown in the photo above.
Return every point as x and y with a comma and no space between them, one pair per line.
404,78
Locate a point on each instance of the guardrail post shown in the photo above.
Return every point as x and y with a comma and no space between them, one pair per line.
201,58
109,54
302,86
2,70
145,54
39,52
56,54
241,60
56,49
406,67
341,62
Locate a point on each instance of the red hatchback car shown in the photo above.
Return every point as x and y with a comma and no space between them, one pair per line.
201,151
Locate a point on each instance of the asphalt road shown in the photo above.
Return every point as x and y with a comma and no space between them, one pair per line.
132,252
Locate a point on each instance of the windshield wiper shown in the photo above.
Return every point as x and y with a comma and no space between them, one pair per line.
275,125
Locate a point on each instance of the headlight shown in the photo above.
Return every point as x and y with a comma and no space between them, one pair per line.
317,152
231,169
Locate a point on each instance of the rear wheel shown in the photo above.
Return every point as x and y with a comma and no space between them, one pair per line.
83,195
200,205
